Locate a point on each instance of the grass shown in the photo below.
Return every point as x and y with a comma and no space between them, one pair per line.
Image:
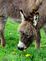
10,51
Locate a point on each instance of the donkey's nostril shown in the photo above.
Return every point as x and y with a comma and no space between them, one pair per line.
21,48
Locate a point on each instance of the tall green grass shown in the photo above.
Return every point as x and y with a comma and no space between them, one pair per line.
10,51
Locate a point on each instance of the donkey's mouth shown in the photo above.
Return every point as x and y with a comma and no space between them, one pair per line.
21,46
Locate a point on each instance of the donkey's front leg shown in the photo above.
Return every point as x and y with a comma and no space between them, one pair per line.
38,37
2,39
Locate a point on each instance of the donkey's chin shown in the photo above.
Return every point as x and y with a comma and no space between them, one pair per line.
21,49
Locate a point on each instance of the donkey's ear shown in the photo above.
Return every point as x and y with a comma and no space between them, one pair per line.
21,11
22,15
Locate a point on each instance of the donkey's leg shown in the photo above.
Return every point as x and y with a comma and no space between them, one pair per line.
2,39
1,34
2,31
38,37
44,28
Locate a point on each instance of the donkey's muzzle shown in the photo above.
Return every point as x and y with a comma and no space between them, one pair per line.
21,48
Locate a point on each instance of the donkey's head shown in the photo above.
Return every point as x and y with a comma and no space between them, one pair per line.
26,35
27,32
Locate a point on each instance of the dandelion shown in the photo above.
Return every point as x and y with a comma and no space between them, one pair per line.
28,55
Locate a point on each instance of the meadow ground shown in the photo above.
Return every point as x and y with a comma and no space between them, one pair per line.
10,51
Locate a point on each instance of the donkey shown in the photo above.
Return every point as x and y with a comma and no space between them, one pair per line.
25,41
11,8
6,9
28,33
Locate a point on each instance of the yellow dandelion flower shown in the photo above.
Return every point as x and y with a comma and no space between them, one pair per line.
28,55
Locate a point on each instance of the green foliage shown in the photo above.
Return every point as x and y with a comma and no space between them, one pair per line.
10,51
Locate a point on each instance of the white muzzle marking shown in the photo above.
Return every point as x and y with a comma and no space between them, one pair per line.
21,45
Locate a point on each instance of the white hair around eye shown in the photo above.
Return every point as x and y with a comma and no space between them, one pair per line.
22,16
36,18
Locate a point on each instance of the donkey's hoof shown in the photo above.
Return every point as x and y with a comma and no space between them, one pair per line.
3,43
